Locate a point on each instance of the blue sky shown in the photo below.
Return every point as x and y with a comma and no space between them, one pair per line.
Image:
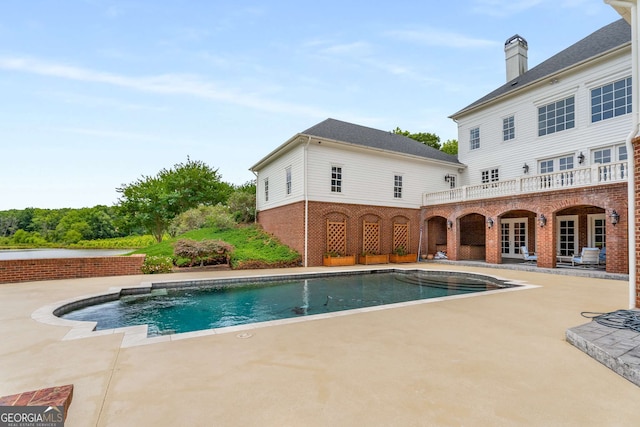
97,93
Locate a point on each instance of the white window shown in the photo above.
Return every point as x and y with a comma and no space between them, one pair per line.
508,128
490,175
266,189
336,179
557,116
474,138
565,163
288,179
611,100
397,186
546,166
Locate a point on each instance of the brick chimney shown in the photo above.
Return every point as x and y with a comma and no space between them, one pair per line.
515,52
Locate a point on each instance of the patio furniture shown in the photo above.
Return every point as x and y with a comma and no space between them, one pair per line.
588,256
603,256
527,256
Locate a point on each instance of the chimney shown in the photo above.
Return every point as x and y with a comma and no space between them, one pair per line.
515,52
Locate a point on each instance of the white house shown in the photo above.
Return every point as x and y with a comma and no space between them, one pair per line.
542,163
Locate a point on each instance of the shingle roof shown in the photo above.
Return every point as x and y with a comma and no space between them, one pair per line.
609,37
373,138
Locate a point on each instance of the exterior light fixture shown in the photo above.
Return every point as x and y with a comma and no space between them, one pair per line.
525,168
615,217
449,224
581,158
542,220
489,223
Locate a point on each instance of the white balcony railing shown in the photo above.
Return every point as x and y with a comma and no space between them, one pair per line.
598,174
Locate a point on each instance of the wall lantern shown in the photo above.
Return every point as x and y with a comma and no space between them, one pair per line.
489,223
581,158
615,217
449,224
525,168
448,177
542,220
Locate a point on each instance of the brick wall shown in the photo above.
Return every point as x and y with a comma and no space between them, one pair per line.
28,270
469,224
287,223
636,174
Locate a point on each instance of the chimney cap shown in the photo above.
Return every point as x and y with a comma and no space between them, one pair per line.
516,38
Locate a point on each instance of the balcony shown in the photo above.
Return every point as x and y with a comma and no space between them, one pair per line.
597,174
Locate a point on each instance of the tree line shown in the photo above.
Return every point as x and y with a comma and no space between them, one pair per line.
148,205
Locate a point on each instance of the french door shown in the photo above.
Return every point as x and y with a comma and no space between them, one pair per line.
513,236
567,235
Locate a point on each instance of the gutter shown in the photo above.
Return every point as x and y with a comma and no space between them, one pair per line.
631,194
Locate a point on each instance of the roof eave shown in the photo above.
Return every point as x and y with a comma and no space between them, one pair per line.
539,81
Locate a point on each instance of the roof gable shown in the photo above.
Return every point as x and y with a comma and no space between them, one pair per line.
605,39
340,131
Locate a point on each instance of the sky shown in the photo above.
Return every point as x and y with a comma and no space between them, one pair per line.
95,94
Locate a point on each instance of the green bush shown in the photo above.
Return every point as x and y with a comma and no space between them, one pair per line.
157,264
217,216
207,251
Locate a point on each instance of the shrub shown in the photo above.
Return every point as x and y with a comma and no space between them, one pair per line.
217,216
206,251
157,264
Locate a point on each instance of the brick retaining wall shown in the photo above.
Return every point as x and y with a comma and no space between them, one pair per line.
29,270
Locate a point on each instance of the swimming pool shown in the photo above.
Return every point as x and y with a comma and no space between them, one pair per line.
174,308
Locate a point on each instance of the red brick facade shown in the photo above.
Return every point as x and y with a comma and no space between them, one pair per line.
636,174
287,223
27,270
469,230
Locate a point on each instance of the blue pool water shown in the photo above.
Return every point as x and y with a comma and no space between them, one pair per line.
179,309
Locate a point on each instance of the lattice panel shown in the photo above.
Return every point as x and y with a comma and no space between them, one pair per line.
371,237
337,237
401,236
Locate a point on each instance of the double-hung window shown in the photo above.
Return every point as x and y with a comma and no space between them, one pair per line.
397,186
336,179
557,116
611,100
474,138
508,128
288,180
266,189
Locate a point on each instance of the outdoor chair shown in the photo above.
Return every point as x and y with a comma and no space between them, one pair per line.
603,256
588,256
527,256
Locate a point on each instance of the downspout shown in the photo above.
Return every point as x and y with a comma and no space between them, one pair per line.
306,204
631,194
255,217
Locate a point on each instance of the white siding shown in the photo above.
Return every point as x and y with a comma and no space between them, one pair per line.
275,171
368,176
527,147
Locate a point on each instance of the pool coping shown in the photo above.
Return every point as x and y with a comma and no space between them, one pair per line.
137,335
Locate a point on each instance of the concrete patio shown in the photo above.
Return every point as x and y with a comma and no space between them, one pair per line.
499,360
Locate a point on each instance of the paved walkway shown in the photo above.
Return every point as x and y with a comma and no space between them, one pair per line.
487,360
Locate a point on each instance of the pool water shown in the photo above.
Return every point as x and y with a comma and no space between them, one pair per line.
179,309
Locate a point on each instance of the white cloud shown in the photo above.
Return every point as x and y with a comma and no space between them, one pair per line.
169,84
355,48
440,38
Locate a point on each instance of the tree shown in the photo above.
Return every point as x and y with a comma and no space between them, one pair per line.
450,147
152,202
430,139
